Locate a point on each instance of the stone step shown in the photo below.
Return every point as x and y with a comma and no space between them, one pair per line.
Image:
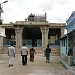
54,51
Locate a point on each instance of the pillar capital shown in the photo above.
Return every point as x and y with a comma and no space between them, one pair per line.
44,29
18,30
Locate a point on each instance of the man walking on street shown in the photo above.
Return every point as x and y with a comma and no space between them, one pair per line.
11,54
24,54
48,51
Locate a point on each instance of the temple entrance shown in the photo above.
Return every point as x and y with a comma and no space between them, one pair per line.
53,36
32,36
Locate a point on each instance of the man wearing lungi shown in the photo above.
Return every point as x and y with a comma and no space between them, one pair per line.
48,51
11,54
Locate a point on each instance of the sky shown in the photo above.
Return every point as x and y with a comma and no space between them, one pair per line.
58,11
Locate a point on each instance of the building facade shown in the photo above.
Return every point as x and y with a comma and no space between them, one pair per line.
34,31
67,42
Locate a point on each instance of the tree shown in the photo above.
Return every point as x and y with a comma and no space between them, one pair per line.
0,21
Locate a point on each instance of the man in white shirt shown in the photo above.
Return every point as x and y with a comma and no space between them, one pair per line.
11,54
24,53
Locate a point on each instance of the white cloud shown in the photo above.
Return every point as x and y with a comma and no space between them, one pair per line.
57,10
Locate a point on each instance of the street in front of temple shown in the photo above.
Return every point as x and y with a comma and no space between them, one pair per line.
38,67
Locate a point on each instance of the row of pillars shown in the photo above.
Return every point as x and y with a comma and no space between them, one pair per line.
44,31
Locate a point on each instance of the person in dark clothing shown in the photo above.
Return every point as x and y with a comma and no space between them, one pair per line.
48,51
32,52
70,52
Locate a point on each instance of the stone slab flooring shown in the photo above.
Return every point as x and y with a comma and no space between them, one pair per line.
38,67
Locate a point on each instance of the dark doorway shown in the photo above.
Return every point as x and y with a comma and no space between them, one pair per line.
31,35
10,37
54,36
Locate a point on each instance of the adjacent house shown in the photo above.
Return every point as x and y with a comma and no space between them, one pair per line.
67,42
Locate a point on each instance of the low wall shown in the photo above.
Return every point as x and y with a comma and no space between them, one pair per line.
38,50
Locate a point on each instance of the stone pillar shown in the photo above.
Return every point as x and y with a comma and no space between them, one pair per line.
1,41
43,37
44,31
46,36
18,36
62,31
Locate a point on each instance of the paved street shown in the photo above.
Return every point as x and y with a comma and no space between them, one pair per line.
38,67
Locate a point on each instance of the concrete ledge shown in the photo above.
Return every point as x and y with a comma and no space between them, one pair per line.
70,69
64,63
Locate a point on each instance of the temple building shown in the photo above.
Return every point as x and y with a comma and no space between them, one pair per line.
33,31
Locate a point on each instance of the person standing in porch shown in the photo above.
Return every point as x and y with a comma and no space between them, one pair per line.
24,54
48,51
11,54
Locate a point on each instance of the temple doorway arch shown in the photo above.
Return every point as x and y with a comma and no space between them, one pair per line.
32,36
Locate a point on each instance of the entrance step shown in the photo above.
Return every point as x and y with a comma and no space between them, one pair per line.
38,50
54,51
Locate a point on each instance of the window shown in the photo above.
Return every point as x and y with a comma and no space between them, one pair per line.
64,42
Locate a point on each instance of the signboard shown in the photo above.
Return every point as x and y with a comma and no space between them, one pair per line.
52,39
2,31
